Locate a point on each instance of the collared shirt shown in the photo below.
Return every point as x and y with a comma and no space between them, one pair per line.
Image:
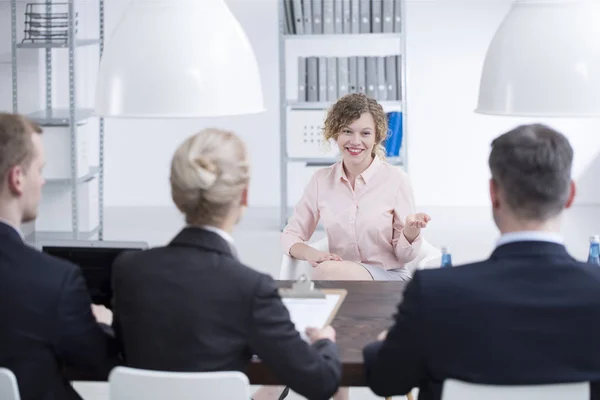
529,236
225,236
219,232
5,222
364,224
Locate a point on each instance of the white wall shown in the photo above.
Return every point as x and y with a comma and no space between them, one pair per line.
448,143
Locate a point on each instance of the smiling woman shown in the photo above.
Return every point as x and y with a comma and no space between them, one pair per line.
357,116
366,205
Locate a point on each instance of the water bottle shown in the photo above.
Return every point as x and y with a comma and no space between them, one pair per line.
447,258
594,255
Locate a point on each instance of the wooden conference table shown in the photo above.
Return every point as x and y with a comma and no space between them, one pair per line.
368,309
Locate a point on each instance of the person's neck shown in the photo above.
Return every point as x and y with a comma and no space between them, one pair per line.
516,225
226,225
353,171
9,214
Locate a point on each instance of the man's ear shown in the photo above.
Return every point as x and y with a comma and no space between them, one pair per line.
572,192
14,180
494,194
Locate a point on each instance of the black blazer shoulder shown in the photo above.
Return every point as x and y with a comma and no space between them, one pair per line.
49,322
237,312
505,320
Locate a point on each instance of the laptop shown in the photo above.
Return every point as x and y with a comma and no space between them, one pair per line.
95,258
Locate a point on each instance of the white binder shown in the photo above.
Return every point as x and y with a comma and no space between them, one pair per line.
317,11
298,16
342,76
322,78
354,16
381,86
390,77
388,16
352,74
289,17
338,12
362,75
332,85
308,16
329,16
399,77
312,72
372,77
365,16
376,16
302,81
397,16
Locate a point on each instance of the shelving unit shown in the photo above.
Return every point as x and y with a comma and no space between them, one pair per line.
306,118
53,25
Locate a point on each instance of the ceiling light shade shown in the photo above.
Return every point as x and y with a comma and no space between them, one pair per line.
544,61
178,59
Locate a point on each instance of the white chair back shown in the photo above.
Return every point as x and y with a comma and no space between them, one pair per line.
9,390
291,269
130,383
429,257
458,390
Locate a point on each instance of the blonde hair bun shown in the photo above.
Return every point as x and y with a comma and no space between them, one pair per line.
207,172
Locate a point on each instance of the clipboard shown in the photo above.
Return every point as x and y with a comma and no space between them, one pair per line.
311,307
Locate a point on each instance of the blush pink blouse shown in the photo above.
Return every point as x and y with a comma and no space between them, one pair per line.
364,224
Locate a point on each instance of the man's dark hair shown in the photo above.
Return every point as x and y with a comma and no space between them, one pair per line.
531,165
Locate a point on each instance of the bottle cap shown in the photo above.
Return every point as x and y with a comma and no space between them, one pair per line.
445,250
595,238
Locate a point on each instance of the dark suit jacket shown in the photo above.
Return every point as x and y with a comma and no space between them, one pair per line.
46,322
528,315
192,306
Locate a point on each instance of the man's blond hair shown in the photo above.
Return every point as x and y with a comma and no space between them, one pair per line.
16,147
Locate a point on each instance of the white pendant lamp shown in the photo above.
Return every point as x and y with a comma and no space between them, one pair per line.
544,61
178,59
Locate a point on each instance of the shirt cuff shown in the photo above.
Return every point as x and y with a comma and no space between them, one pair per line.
403,241
287,241
406,252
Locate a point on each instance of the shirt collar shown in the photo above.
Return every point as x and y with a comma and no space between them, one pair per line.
219,232
366,175
529,236
5,222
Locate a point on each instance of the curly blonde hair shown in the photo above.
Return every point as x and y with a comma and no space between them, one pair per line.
347,110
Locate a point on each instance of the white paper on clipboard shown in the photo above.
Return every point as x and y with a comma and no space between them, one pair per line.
306,312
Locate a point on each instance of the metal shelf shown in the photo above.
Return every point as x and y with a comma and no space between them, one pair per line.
74,115
60,116
93,172
57,44
60,235
345,36
394,105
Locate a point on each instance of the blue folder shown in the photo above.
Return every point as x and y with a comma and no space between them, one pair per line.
393,142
